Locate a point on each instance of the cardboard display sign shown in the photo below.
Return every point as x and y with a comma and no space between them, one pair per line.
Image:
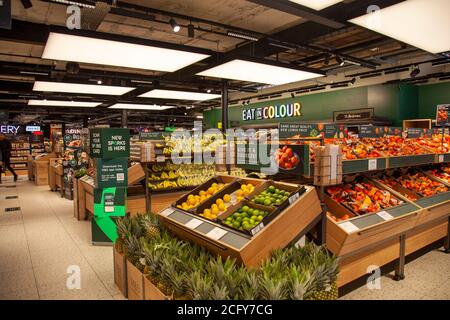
111,172
442,114
109,143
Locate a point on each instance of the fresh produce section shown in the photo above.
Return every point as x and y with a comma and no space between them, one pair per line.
246,218
272,196
362,198
421,184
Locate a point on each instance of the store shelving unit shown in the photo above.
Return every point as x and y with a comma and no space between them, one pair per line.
19,155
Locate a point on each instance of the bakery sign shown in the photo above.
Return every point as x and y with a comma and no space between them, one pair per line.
280,111
353,115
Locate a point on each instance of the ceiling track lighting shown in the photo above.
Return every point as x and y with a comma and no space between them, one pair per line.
340,61
26,4
83,4
240,35
175,26
415,71
191,30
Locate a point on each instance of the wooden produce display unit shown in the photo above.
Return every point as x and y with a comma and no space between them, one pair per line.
135,199
41,169
301,214
389,234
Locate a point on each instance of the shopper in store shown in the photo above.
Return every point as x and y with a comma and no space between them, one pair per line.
5,147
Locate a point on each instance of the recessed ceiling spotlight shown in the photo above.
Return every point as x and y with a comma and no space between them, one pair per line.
175,26
208,91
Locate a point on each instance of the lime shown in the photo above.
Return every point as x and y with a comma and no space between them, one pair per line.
245,208
236,225
256,212
260,217
278,202
271,189
267,202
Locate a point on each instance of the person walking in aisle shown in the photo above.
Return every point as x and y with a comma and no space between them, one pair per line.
5,147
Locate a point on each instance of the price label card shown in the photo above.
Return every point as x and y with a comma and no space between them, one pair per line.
348,227
441,158
216,233
194,223
257,229
372,164
293,198
160,159
167,212
385,216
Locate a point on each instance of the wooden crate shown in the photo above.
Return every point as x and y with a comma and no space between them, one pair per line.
120,272
40,172
135,282
151,292
251,251
135,174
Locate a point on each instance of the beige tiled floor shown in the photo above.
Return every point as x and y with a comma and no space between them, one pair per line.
39,243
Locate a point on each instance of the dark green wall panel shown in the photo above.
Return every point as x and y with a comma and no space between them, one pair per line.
430,96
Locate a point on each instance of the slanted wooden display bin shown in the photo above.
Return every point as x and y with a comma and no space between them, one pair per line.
120,272
303,211
376,238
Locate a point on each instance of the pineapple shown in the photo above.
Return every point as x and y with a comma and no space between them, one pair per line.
250,288
273,288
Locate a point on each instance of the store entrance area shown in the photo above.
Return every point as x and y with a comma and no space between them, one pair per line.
37,265
41,245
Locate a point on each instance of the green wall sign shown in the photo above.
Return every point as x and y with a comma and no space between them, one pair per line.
273,111
153,135
109,143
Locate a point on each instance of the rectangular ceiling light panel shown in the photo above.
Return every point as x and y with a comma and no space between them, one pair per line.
133,106
257,72
179,95
114,53
420,23
56,103
80,88
316,4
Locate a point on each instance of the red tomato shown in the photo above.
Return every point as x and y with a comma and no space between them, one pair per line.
289,152
288,165
283,149
294,161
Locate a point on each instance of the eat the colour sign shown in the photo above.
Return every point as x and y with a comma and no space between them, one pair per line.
287,110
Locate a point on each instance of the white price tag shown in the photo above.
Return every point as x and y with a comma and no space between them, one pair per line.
257,229
441,158
385,216
372,164
194,223
166,212
216,233
348,227
293,198
160,159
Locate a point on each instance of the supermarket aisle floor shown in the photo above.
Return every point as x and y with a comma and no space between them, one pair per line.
40,240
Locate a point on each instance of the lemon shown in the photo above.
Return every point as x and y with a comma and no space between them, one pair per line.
214,185
227,198
215,211
222,207
202,193
219,201
207,212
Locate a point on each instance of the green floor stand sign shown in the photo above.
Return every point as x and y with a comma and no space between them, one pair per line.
109,202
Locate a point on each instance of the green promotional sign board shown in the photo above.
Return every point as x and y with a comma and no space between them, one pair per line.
153,135
312,130
109,143
111,172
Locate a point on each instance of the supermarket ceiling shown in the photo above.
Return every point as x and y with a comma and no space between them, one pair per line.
290,33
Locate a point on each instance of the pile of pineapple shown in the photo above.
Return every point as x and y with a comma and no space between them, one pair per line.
182,270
